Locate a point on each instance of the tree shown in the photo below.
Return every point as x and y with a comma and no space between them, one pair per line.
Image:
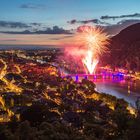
13,124
5,133
58,131
121,117
134,129
37,113
25,132
94,131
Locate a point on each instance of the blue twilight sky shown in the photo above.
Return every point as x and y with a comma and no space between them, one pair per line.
58,12
65,14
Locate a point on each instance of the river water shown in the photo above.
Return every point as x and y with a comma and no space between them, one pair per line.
128,90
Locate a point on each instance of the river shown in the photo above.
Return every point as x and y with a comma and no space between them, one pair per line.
128,90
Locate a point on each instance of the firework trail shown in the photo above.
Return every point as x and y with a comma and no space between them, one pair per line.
94,42
88,44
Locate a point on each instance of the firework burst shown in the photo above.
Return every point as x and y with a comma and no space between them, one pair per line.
94,42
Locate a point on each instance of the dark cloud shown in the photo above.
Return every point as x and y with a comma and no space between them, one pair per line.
10,24
54,30
32,6
102,18
95,21
11,40
37,28
56,38
116,28
128,22
36,24
74,21
121,16
111,29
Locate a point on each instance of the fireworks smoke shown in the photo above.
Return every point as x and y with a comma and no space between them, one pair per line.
88,45
94,42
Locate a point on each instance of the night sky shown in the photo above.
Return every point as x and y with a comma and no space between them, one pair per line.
49,22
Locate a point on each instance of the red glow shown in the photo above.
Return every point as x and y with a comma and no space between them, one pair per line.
88,45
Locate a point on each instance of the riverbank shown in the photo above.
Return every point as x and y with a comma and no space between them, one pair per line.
127,90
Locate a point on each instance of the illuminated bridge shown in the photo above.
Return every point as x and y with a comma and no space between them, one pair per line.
76,77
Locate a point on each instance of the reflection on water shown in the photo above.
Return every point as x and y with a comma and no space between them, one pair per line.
128,90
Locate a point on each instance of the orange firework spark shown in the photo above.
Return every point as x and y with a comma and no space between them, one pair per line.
94,41
89,62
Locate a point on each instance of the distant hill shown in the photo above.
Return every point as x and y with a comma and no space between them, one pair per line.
125,48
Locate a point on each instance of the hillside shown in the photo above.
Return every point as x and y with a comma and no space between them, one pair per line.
125,48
